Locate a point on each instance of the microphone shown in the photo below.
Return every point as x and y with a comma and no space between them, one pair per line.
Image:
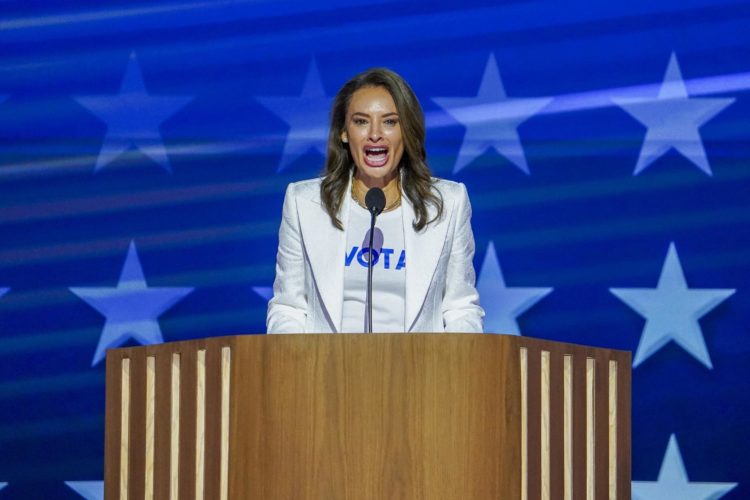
375,202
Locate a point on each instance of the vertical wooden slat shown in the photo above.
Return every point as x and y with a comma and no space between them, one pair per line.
137,456
602,426
544,426
567,427
163,424
557,430
226,370
535,417
188,378
579,425
213,422
590,428
623,429
612,430
113,416
124,428
200,423
174,436
148,489
524,355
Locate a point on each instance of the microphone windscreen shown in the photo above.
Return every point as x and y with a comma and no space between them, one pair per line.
375,200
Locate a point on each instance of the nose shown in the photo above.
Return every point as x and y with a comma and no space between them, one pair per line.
375,134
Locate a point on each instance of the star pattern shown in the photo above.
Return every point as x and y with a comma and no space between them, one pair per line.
306,116
131,308
133,118
673,119
491,119
503,304
90,490
673,481
672,311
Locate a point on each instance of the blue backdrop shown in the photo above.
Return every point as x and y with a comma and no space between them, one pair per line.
145,149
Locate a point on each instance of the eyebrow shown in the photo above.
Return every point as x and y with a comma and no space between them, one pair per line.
359,113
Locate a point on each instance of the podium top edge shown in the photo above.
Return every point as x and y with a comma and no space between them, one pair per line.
231,340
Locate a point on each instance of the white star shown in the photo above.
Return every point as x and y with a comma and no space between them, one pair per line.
673,120
133,118
672,311
131,308
491,119
503,304
306,116
90,490
673,481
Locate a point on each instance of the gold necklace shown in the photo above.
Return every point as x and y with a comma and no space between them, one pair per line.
392,192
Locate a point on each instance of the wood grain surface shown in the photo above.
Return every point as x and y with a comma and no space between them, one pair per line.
421,416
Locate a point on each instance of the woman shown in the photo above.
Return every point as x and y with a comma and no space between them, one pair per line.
423,276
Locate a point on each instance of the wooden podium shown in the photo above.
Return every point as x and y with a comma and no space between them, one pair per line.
383,416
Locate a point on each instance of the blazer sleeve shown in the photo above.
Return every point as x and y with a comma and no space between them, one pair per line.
461,309
287,309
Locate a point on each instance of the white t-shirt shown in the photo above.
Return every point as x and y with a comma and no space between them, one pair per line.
388,272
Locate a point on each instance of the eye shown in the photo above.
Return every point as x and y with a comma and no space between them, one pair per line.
391,122
359,121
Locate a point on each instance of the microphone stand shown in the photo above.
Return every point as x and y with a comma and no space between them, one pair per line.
375,203
369,272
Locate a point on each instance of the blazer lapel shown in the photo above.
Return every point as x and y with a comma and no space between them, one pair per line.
325,247
423,251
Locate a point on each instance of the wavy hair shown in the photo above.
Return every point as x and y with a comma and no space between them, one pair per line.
416,179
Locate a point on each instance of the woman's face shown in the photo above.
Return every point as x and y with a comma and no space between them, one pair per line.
373,131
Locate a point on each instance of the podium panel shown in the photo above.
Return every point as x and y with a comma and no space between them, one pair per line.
357,416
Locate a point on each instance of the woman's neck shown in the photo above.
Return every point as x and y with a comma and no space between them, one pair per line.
392,191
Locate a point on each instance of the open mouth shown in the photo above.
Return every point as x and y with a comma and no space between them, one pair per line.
376,156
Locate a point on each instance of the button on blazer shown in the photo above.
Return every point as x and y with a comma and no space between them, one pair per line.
308,291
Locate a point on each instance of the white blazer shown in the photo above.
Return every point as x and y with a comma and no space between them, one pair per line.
308,292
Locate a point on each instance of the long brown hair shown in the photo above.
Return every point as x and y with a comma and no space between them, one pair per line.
416,179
